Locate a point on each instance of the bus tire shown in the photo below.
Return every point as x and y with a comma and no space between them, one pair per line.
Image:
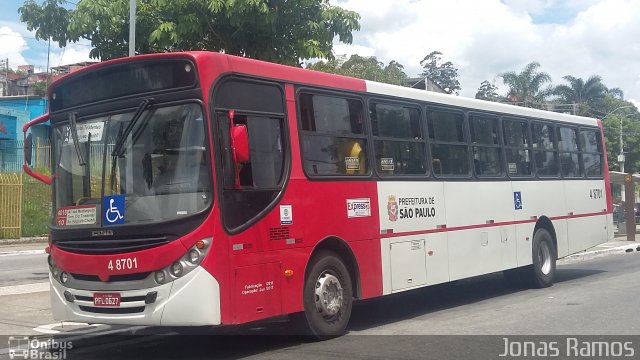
541,272
327,296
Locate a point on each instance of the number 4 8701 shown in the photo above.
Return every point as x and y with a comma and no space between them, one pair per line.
123,264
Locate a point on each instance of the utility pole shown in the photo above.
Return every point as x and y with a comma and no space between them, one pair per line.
132,27
6,77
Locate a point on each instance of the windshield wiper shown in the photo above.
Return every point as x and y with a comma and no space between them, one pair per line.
74,135
118,148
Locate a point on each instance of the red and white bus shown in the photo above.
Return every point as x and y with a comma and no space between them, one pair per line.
205,189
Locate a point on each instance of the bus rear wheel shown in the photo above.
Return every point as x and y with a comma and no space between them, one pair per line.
327,296
541,273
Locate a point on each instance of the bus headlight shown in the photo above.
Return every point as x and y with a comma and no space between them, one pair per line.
64,277
194,256
160,277
185,264
176,269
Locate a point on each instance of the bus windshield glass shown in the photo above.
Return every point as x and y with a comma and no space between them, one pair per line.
160,173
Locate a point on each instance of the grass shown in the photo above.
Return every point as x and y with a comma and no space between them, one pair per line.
36,207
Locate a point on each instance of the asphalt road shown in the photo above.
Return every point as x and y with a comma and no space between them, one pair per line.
17,269
596,297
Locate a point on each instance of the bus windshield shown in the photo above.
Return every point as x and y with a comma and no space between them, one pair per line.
160,172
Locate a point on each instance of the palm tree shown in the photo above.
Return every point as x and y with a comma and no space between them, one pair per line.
582,94
526,88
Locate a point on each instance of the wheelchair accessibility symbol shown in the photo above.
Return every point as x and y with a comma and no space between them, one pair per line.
517,200
113,210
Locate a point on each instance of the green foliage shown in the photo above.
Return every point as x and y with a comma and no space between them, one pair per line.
527,87
50,19
443,74
584,95
614,113
368,68
487,91
40,88
280,31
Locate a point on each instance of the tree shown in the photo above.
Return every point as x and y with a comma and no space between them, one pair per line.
613,112
583,95
526,88
280,31
487,91
368,68
40,88
443,74
49,20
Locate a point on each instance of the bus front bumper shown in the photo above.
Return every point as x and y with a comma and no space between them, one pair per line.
192,300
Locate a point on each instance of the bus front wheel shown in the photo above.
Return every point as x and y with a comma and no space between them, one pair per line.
541,272
327,296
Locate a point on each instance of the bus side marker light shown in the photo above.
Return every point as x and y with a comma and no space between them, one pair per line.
201,244
534,218
526,239
430,253
288,273
47,250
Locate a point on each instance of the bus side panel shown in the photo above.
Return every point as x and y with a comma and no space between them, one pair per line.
478,244
540,198
369,265
586,211
407,211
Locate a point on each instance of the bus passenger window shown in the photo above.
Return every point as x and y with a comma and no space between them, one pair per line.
332,134
569,151
517,147
545,150
399,145
591,141
448,142
487,154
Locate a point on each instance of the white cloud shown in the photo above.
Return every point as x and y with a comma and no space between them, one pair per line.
489,37
13,45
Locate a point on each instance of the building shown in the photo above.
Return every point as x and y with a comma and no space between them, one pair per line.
424,83
15,111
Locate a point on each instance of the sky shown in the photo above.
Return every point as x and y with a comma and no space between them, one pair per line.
482,38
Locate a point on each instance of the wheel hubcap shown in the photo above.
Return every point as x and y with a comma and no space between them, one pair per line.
544,258
328,295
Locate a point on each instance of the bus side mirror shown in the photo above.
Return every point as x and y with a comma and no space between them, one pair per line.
28,150
240,143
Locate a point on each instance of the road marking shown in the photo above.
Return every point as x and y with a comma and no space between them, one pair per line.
21,252
49,328
24,289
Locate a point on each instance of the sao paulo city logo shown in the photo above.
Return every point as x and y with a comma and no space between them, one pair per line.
392,208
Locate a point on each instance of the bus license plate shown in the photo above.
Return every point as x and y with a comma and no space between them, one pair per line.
106,299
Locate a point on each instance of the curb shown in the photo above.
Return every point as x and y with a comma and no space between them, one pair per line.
25,240
633,247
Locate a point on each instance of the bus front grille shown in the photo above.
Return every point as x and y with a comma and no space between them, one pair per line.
110,246
116,311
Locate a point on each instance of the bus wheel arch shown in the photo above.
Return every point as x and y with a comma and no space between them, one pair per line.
343,250
544,253
545,223
329,289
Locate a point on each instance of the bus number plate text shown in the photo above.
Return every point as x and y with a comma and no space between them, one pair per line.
123,264
106,299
